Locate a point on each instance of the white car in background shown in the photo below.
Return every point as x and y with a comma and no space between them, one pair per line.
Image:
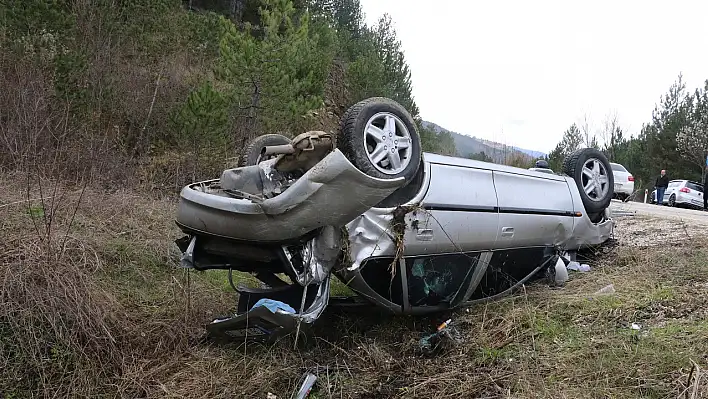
682,193
624,181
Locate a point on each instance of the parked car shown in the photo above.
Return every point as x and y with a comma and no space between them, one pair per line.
408,231
682,193
542,166
624,181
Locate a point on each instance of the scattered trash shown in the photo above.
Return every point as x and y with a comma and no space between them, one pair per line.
271,396
274,306
622,213
577,267
636,326
609,289
433,342
306,386
560,275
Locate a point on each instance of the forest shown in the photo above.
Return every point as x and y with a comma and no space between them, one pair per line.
675,139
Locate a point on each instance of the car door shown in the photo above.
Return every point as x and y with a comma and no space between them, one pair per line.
459,212
534,210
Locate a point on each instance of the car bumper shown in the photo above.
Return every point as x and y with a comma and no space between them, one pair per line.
332,193
624,188
686,200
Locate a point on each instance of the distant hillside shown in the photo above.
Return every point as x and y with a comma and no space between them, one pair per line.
500,153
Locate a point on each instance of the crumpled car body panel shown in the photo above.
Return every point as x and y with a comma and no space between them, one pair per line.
332,193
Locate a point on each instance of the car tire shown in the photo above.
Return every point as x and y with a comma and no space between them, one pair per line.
672,200
573,166
252,153
372,136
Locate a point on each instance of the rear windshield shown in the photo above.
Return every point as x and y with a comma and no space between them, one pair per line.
694,186
618,167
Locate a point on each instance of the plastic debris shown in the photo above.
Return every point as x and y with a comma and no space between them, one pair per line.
560,277
271,396
306,386
577,267
274,305
609,289
445,331
636,326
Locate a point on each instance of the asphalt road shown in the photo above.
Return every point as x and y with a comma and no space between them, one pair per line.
664,212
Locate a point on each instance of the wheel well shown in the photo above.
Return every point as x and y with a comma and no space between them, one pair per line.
406,193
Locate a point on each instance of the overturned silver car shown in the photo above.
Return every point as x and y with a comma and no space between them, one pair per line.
408,231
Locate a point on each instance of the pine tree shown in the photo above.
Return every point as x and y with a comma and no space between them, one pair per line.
571,141
275,79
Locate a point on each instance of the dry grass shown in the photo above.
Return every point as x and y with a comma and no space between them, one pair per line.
100,310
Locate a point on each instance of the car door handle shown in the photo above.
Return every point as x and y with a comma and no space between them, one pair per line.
424,234
507,232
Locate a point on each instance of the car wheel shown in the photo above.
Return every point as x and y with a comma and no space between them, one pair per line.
252,153
592,174
672,200
379,137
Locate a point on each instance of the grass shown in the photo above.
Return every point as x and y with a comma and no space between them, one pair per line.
102,310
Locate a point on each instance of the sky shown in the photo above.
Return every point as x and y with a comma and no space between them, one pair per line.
521,72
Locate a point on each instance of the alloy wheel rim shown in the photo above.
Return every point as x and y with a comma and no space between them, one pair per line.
388,143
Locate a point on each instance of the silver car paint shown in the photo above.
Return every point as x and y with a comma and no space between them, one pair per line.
489,188
340,191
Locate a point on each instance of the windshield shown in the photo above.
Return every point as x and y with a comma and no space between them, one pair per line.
617,167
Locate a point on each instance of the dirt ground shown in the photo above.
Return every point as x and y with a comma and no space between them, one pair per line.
93,305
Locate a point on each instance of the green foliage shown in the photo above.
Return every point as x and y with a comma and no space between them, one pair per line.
69,79
436,142
156,27
692,138
480,156
571,141
381,69
145,76
203,119
278,79
23,18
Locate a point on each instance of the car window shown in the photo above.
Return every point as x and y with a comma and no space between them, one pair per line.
618,167
675,183
694,186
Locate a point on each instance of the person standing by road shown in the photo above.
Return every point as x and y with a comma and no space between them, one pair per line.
662,182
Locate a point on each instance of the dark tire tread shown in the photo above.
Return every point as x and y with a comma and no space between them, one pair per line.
347,140
571,163
253,150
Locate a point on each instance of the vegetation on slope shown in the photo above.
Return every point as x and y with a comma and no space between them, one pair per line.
157,93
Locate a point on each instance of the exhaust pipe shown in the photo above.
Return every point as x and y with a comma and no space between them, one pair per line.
278,149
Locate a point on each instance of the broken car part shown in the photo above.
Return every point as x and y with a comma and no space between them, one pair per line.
308,382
